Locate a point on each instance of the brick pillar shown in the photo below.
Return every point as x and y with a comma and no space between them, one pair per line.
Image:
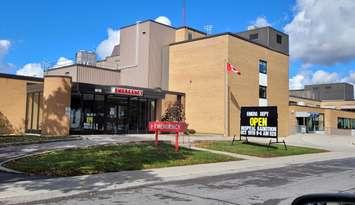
56,105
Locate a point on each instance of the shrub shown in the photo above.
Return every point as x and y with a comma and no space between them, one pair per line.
174,113
190,132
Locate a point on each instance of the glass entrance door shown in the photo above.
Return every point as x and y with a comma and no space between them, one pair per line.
116,115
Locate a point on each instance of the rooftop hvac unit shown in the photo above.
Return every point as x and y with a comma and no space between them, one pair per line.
86,58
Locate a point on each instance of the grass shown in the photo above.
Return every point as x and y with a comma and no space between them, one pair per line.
255,149
113,158
27,139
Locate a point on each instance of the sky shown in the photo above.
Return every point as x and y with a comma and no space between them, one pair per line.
41,33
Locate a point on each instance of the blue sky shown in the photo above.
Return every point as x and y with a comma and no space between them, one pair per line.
44,30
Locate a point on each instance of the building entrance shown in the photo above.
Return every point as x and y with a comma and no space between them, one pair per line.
308,122
111,114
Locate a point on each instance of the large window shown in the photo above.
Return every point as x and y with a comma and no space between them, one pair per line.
346,123
262,92
253,36
262,66
278,38
34,106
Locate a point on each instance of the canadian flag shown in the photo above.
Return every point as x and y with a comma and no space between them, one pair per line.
233,69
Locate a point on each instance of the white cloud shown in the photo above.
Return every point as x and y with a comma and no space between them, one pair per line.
321,76
322,31
259,22
5,46
297,82
105,48
163,20
62,61
31,69
307,77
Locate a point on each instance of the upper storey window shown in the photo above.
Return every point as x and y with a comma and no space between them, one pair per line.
254,36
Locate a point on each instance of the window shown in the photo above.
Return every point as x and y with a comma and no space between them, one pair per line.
278,38
254,36
262,66
346,123
262,92
189,36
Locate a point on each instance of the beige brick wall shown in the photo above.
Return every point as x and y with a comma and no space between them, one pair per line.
182,34
330,119
12,105
244,88
56,96
197,69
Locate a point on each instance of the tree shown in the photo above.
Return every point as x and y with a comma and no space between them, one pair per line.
174,113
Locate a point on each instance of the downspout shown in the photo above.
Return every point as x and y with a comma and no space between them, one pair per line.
137,52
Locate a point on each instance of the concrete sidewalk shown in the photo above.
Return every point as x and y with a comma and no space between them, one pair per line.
31,189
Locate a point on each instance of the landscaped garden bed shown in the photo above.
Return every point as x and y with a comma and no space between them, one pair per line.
112,158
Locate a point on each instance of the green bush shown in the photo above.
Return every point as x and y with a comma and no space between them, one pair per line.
174,113
190,132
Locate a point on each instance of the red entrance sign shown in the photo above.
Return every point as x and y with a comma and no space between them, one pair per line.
126,91
167,127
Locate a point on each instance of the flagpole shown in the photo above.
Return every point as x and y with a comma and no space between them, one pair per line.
226,114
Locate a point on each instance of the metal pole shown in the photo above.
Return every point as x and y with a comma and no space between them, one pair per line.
156,138
177,142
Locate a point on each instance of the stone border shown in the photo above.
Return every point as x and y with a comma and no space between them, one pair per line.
41,142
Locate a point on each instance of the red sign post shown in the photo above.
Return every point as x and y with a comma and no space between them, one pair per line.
176,127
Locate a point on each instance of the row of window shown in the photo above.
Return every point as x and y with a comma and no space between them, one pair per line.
255,36
346,123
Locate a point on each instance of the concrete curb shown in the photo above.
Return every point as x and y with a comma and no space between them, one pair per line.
40,142
240,156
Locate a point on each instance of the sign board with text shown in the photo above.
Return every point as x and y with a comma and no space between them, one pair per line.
158,126
167,126
126,91
259,122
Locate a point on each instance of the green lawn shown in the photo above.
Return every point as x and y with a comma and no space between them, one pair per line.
255,149
113,158
27,139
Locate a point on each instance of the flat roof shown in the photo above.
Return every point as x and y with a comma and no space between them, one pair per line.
226,33
324,84
304,98
20,77
89,66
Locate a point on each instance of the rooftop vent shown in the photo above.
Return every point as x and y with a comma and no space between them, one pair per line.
86,58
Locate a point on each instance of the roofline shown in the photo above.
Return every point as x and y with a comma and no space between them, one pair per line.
229,34
322,108
192,29
20,77
297,90
133,87
172,27
305,98
337,83
90,66
145,21
259,28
